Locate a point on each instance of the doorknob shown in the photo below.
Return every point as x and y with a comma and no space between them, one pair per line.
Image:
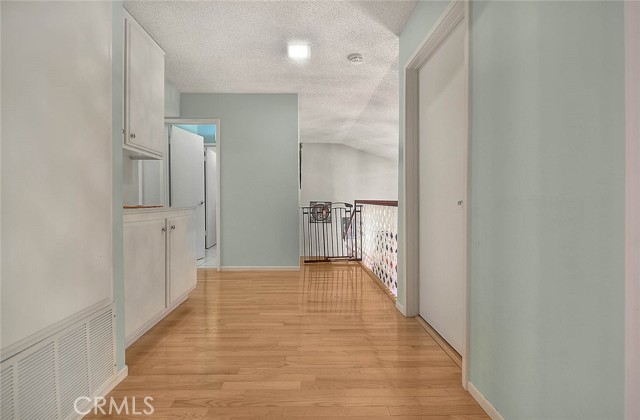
460,202
202,202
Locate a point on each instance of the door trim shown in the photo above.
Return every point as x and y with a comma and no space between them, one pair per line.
205,121
457,12
632,209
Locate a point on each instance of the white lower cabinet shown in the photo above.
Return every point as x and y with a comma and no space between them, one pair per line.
181,266
144,267
159,265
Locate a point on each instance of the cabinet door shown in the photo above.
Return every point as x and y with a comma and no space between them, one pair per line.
181,256
144,272
144,91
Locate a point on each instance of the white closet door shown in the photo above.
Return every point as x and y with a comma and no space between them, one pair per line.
211,184
187,178
443,170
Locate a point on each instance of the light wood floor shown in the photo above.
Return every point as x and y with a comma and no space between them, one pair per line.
322,343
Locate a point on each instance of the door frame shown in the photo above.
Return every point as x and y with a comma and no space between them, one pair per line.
457,12
206,121
632,208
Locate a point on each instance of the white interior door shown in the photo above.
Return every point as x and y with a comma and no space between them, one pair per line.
210,196
187,178
442,180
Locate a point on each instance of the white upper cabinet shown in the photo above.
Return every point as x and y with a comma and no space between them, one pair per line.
144,93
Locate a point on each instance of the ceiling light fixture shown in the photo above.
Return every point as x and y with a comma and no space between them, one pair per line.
298,50
355,58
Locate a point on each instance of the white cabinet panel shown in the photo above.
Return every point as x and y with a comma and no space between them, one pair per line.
144,268
181,256
144,92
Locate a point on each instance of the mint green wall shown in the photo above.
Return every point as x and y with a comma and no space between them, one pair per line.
118,124
259,174
171,100
547,197
547,208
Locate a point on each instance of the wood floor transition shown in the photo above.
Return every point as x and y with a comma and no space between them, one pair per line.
322,343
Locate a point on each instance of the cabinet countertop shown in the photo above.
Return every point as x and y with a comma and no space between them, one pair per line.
133,214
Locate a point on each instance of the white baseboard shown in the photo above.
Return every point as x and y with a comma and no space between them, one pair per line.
484,403
117,378
401,308
261,268
101,392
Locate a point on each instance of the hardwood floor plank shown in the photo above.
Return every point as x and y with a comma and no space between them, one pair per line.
322,343
261,385
334,412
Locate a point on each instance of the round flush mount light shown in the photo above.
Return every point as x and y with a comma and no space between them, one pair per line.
355,58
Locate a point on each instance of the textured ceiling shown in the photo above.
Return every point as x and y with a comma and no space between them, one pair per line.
240,47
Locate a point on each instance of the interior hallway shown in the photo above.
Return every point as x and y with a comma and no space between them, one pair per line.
325,342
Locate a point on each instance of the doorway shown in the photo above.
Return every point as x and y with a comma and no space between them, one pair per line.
442,173
436,165
194,180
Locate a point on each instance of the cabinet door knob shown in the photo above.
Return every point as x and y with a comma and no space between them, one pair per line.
173,227
164,229
133,135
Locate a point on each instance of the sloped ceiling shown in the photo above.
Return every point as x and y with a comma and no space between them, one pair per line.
240,47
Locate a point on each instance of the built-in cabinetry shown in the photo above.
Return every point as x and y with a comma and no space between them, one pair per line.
144,93
159,265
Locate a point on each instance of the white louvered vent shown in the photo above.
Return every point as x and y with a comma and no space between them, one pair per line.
101,346
73,365
43,381
7,393
37,397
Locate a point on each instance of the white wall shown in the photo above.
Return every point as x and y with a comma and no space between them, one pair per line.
130,181
56,164
335,172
